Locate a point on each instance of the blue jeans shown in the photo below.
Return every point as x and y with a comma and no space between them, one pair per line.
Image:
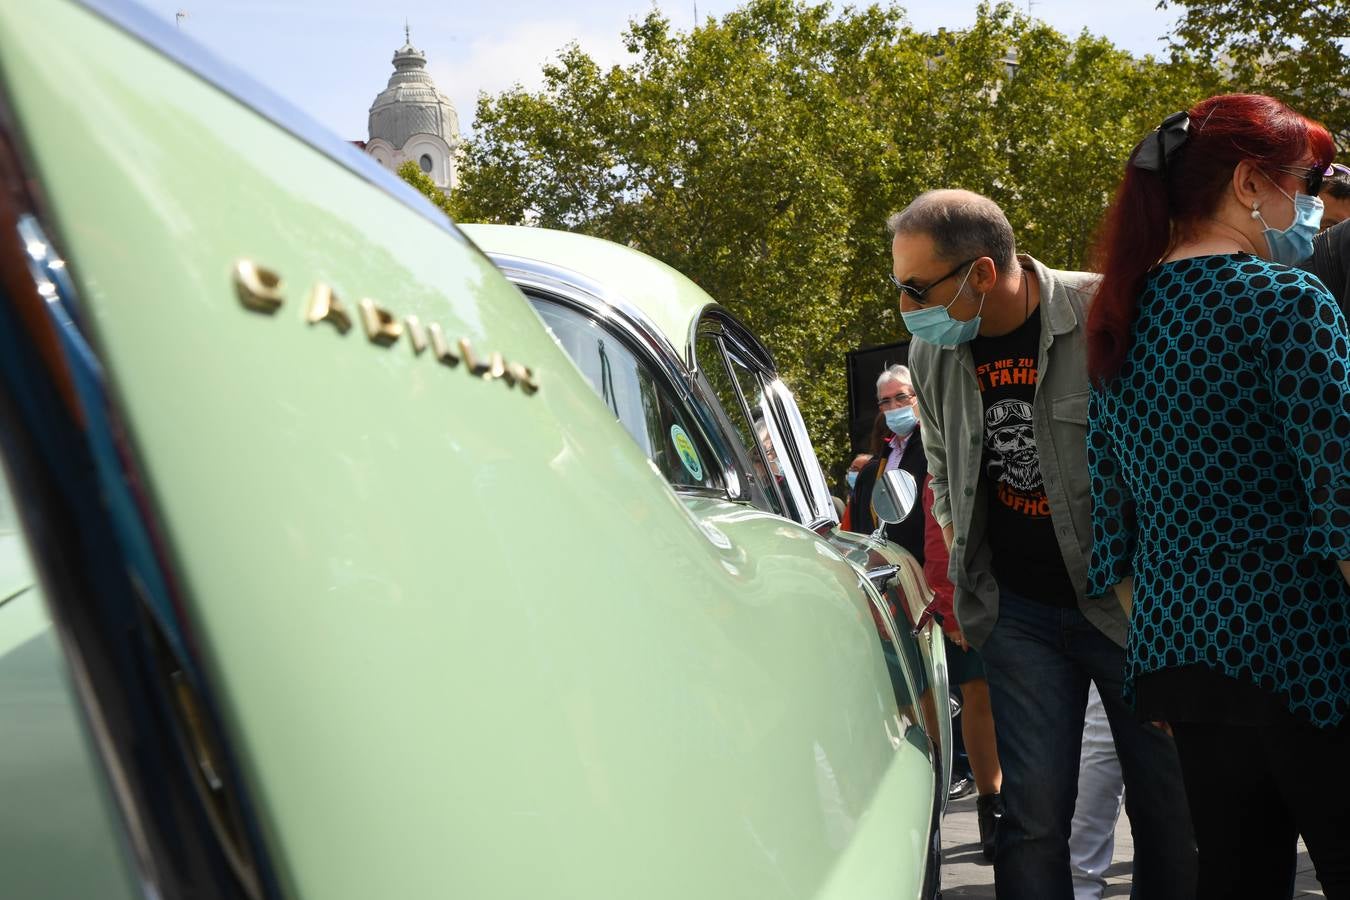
1039,660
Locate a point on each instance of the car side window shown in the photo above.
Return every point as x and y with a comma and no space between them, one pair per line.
713,366
768,433
641,400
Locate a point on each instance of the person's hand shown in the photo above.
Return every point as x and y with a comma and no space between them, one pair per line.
1125,594
1162,726
958,638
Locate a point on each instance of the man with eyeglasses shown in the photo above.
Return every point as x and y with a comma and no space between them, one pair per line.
896,444
999,363
1335,195
1330,261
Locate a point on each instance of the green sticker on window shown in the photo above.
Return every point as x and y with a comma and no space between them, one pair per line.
688,455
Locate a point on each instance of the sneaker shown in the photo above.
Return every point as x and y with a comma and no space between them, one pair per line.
962,786
988,810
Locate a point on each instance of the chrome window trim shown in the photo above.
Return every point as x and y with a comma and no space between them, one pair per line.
609,309
691,491
598,301
779,410
714,319
786,465
823,506
722,416
717,319
139,23
743,408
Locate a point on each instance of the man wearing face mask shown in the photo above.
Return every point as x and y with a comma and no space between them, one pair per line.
1330,259
899,447
999,362
851,476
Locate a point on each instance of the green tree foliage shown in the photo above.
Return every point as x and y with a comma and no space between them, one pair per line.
1293,51
446,203
761,154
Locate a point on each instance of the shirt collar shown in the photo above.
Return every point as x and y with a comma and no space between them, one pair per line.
1058,311
899,443
1059,315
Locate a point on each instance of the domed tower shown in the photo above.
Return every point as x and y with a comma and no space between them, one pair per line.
412,120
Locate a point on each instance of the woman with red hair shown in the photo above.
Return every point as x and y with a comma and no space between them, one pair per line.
1218,427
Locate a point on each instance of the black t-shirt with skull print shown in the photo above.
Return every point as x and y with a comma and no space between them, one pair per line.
1021,535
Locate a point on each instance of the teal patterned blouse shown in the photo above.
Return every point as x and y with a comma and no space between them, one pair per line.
1220,463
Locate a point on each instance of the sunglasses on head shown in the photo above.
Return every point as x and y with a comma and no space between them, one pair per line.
917,293
1313,175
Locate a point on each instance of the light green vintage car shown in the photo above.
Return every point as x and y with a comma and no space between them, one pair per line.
325,574
700,394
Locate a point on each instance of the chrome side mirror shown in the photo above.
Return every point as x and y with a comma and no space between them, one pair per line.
894,497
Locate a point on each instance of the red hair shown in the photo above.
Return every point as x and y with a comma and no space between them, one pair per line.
1153,211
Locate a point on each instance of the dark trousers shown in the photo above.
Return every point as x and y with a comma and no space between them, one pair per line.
1039,660
960,762
1253,789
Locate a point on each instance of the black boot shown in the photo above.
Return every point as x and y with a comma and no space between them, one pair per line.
988,809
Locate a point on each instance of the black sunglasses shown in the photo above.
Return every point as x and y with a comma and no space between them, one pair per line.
1312,176
916,294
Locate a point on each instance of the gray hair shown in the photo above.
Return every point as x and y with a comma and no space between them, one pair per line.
962,225
895,373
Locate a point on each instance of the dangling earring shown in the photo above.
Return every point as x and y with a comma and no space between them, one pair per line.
1256,210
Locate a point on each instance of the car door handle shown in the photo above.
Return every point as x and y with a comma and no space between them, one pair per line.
881,575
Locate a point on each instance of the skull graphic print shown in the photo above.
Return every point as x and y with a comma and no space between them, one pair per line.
1011,445
1024,547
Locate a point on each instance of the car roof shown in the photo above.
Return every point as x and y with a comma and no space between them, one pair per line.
670,301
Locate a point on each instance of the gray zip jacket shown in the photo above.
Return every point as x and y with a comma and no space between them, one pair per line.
953,436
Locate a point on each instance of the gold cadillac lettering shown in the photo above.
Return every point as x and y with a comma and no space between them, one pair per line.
260,290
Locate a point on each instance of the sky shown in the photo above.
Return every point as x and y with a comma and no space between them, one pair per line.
331,57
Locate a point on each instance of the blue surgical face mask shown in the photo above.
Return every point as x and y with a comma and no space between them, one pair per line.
1294,244
901,421
935,326
852,478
